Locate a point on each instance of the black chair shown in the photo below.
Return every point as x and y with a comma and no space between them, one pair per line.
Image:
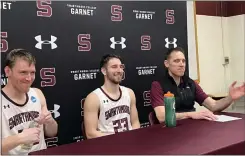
153,118
83,126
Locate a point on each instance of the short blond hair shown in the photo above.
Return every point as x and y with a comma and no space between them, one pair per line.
14,54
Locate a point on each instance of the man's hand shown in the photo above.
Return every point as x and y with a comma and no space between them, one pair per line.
208,115
44,118
236,92
30,135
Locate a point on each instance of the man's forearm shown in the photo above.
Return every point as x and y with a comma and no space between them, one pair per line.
51,128
183,115
179,116
136,125
10,143
222,104
97,134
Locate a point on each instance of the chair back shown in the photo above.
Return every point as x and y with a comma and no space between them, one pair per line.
153,118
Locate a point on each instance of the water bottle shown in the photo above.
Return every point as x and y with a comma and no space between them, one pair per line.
29,146
170,116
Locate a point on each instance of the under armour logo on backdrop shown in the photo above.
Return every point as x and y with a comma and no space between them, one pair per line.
122,42
55,111
170,42
41,42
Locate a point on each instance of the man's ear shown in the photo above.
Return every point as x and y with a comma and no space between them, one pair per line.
7,71
166,63
103,70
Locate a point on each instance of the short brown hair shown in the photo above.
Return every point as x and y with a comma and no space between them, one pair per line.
106,58
172,50
19,53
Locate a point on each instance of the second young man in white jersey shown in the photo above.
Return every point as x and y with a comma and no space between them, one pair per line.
110,108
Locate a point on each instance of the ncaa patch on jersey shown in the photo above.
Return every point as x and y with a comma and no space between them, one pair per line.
33,99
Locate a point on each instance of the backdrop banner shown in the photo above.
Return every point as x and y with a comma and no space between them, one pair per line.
69,38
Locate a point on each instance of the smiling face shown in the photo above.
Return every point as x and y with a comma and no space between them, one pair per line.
21,75
113,70
176,63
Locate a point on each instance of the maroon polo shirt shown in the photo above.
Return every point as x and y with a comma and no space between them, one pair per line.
157,94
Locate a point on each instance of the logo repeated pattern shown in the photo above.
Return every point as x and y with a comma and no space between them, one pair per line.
122,42
41,42
69,38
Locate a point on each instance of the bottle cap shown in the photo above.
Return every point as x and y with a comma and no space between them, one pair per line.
168,94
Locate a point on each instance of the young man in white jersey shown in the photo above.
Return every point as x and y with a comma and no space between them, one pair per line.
111,108
25,117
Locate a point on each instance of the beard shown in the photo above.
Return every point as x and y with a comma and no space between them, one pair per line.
115,78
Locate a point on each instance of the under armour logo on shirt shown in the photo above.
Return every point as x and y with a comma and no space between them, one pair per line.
122,42
171,42
105,101
41,42
6,106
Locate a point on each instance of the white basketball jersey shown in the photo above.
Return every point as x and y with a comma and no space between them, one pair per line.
114,115
15,118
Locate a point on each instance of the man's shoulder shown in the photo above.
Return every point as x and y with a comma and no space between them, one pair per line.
187,79
37,90
91,100
159,81
155,82
127,89
96,89
195,83
94,94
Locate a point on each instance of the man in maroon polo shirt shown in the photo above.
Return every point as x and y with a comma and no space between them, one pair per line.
187,91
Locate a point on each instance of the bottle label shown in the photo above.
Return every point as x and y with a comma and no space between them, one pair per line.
33,124
29,146
26,146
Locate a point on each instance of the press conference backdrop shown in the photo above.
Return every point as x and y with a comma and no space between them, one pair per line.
69,38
